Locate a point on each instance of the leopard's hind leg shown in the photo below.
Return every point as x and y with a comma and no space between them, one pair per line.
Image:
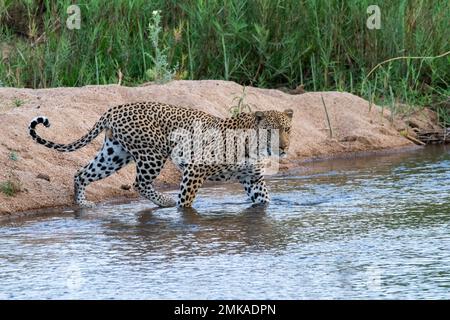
256,189
111,158
253,181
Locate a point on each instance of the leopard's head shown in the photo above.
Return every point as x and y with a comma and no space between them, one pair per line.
281,121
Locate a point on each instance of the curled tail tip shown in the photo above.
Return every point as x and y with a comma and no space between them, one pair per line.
40,119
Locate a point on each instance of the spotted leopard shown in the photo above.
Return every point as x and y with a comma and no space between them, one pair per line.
143,133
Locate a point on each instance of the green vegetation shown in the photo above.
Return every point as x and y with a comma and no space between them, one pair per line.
13,156
9,188
444,115
324,45
241,105
18,102
160,71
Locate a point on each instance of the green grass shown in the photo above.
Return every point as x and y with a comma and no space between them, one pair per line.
444,115
241,105
9,188
18,103
323,45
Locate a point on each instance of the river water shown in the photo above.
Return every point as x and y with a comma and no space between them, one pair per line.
372,227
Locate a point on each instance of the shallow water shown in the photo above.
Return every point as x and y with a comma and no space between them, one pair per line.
374,227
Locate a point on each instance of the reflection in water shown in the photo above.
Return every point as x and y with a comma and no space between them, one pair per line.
373,227
214,232
188,232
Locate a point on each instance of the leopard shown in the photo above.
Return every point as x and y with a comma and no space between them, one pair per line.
144,133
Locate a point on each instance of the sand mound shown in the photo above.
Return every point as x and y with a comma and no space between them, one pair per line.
73,111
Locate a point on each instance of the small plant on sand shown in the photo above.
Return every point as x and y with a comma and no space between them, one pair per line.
18,103
13,156
161,71
443,114
241,105
9,187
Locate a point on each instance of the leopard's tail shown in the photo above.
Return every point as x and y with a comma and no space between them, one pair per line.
87,138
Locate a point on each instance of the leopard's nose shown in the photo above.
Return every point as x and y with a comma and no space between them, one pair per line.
283,152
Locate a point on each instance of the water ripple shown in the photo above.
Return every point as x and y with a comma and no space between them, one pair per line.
374,227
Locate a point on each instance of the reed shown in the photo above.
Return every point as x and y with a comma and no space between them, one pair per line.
324,45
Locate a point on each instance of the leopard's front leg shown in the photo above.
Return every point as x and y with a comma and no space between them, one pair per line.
192,180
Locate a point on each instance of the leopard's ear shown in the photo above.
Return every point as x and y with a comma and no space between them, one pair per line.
289,112
259,115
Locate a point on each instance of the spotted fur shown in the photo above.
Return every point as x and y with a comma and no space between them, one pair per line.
141,132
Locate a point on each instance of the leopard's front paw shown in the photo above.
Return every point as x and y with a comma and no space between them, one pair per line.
167,202
86,204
